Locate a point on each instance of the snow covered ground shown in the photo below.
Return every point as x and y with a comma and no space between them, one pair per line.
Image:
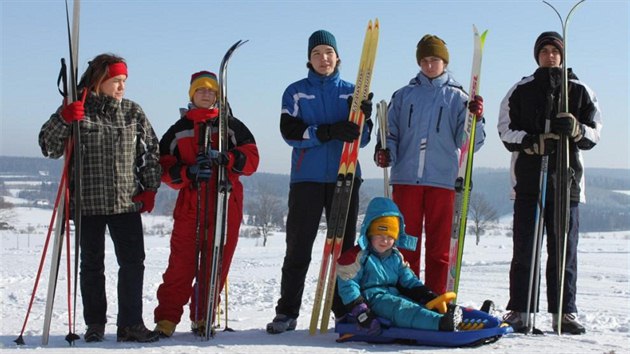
254,281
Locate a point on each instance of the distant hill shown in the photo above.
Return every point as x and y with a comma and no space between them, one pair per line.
607,207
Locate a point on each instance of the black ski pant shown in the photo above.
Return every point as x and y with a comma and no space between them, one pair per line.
523,239
126,233
307,200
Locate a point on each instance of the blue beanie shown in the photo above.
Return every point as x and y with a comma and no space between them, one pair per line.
321,37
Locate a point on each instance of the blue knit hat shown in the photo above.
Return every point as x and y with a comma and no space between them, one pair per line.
321,37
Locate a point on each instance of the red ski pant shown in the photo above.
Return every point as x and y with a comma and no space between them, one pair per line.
431,207
177,287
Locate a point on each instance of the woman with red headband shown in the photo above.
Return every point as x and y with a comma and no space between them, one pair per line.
120,177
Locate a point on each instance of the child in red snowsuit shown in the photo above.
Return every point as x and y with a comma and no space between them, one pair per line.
190,168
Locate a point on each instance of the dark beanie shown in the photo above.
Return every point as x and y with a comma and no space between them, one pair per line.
431,46
321,37
553,38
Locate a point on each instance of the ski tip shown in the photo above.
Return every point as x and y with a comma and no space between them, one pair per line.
376,23
483,36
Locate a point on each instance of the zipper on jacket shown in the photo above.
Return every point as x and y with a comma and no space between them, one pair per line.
410,113
437,127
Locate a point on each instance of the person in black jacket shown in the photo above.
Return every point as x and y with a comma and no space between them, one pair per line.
522,121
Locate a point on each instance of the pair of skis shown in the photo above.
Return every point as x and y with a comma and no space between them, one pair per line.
343,188
224,189
60,219
463,183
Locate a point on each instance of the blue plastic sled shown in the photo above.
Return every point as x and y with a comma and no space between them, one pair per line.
492,331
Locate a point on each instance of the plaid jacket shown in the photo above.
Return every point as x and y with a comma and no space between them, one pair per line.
120,156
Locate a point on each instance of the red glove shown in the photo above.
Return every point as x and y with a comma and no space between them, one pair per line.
147,199
382,158
202,114
475,106
73,112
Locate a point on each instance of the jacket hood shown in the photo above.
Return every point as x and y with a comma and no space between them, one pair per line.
378,207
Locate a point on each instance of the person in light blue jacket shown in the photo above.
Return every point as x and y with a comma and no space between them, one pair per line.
314,121
426,120
374,280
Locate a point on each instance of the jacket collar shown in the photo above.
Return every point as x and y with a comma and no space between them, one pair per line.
423,80
317,79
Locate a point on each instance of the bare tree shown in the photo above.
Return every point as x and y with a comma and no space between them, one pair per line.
481,214
264,211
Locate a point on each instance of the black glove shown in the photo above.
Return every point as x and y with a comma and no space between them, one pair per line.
201,170
420,294
219,158
345,131
539,144
366,105
565,123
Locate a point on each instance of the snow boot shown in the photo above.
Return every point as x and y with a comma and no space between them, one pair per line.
198,328
165,328
569,325
281,323
451,320
94,333
517,320
137,333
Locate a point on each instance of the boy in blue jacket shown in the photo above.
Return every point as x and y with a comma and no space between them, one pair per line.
375,281
314,122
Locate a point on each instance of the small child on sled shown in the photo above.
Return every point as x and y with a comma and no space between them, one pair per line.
375,281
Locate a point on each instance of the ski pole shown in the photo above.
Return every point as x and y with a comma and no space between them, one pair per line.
381,116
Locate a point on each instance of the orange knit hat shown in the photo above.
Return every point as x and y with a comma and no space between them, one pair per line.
385,225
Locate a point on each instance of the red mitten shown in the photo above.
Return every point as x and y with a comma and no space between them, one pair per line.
73,112
147,199
475,106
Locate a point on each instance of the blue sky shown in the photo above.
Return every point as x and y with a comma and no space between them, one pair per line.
165,41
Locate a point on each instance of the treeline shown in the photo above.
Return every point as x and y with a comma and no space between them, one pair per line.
607,207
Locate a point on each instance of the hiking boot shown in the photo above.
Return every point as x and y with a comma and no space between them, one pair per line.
198,328
94,333
518,321
569,324
165,328
451,319
137,333
281,323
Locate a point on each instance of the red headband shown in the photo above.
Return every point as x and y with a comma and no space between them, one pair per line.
116,69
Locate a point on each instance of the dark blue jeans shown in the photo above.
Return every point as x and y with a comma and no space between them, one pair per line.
523,239
126,233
